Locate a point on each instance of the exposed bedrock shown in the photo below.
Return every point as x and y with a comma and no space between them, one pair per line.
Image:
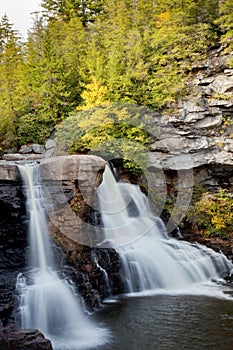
13,240
68,184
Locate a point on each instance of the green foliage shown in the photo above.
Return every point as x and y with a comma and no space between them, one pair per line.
225,23
11,76
32,129
143,54
175,48
86,10
81,53
213,214
50,79
94,95
113,131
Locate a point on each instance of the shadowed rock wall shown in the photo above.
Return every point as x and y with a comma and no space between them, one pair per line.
13,238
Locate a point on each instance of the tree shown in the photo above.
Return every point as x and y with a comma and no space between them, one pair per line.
189,12
11,73
110,130
54,74
94,95
83,52
225,22
213,214
144,51
86,10
72,45
46,102
119,48
174,48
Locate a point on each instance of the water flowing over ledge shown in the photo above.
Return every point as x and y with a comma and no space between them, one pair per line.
47,301
152,263
151,260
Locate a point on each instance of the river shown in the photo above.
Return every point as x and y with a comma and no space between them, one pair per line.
163,322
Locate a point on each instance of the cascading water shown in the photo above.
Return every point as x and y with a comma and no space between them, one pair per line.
151,260
47,302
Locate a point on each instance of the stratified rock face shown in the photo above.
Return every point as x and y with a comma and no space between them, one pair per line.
28,339
198,131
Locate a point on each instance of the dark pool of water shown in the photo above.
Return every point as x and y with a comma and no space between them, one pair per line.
169,322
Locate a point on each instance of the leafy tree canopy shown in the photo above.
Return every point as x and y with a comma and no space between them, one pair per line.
81,53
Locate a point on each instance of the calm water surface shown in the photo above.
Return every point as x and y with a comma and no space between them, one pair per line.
169,322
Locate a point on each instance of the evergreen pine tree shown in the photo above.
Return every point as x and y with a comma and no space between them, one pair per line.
11,73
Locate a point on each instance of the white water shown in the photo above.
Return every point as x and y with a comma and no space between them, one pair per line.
47,302
152,260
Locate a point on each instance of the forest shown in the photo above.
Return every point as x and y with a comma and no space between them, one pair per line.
83,53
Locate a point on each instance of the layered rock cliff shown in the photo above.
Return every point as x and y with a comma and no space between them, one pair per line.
194,142
198,130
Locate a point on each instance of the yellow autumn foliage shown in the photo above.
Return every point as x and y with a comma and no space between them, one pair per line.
214,213
94,95
163,19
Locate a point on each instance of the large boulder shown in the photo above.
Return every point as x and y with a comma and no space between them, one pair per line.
71,168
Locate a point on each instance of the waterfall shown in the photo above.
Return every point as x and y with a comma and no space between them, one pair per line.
151,260
47,301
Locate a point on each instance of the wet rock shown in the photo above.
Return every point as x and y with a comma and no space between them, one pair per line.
49,153
95,271
23,340
220,84
6,308
209,121
71,168
217,244
33,148
12,224
13,242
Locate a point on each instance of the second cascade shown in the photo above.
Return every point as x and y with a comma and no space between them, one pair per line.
151,260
